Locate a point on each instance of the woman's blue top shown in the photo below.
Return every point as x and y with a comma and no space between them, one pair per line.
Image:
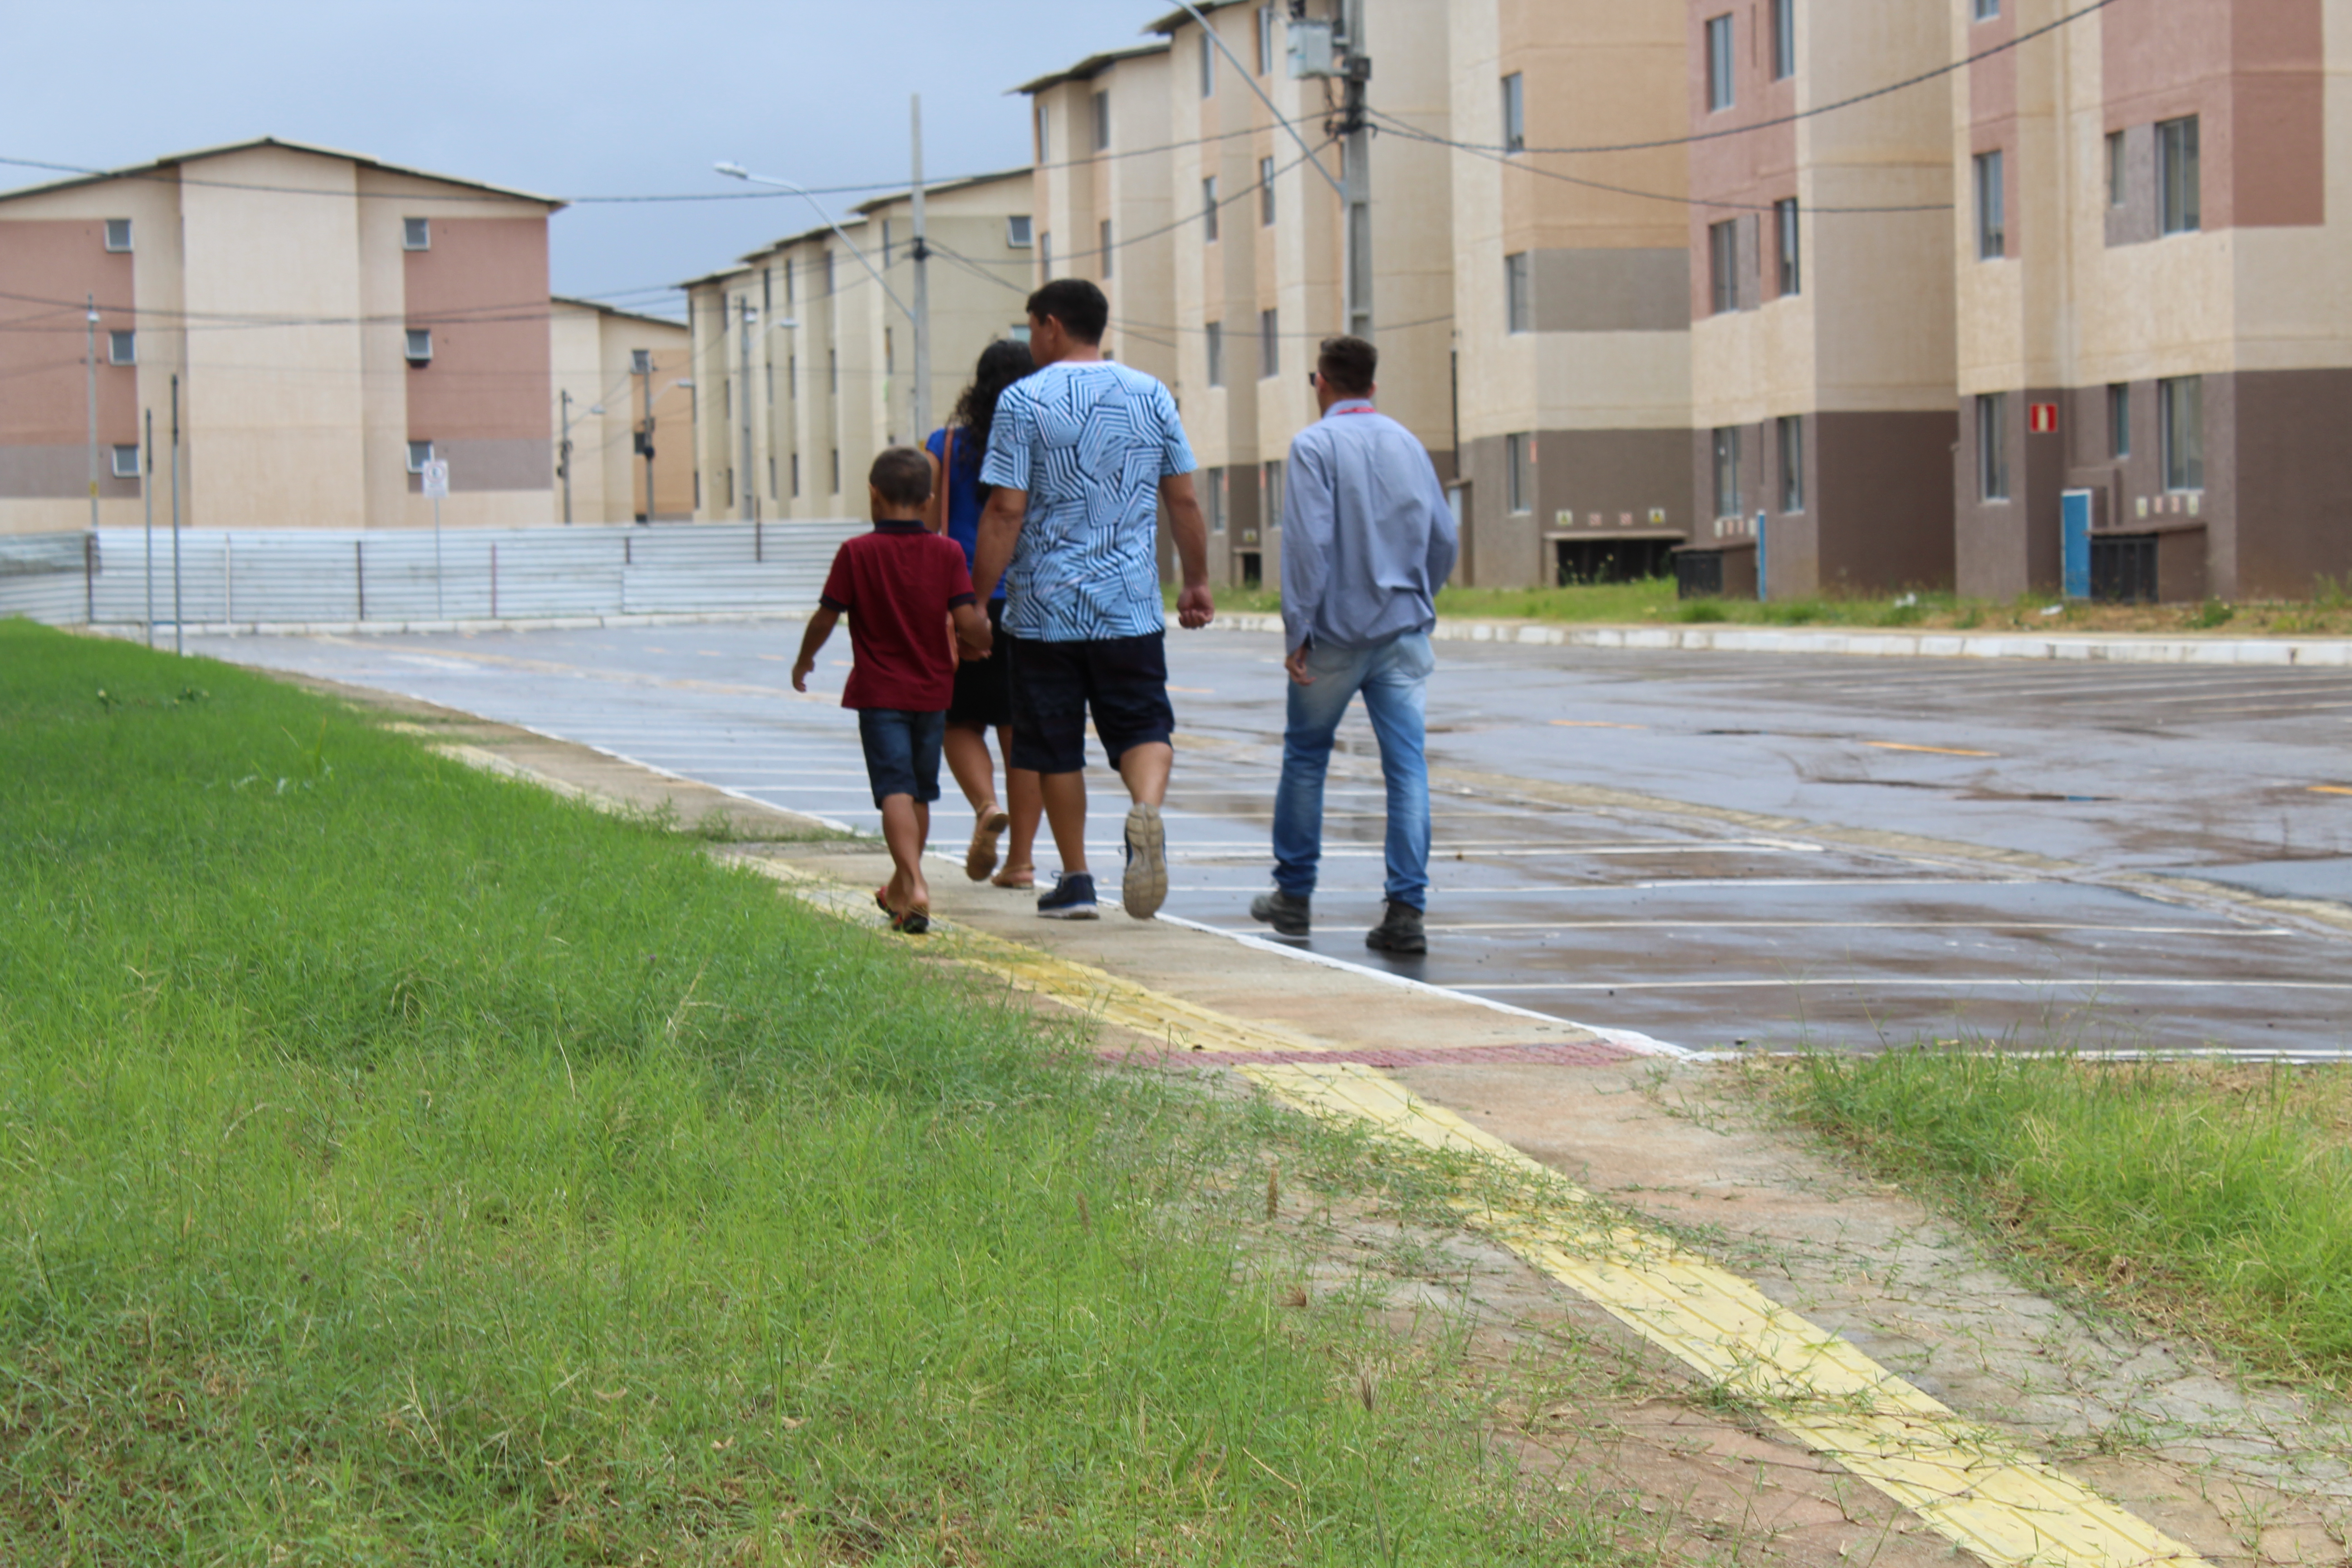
963,494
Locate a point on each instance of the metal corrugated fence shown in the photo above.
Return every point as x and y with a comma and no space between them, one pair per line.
230,577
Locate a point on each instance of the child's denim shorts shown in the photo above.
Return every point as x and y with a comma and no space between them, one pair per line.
902,751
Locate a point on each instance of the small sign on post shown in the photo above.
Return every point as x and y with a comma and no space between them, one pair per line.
436,473
2041,418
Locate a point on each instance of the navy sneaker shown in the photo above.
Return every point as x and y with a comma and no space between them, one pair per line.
1072,897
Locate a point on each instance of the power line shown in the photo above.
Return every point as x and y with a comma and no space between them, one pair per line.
1509,159
1818,110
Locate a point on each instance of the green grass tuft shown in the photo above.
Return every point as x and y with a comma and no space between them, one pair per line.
399,1163
2218,1200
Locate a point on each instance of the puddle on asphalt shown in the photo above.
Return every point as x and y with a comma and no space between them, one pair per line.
1973,792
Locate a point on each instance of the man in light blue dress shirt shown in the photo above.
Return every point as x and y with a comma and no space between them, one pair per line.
1367,541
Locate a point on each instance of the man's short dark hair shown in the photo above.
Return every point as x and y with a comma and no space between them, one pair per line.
1077,304
902,476
1347,365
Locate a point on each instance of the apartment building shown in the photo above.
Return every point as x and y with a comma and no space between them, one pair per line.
2149,305
803,362
1572,288
625,391
1821,343
1105,198
1259,248
333,320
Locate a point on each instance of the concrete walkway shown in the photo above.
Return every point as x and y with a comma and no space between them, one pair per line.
2113,647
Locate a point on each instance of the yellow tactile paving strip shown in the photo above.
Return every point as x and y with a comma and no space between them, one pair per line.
1976,1486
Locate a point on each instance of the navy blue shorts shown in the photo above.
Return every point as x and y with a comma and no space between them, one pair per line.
1124,680
902,751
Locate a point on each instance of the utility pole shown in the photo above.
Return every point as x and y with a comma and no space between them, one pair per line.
91,359
750,507
564,454
642,362
922,310
1358,175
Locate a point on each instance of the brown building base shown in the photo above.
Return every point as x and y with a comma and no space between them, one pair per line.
1588,483
1872,513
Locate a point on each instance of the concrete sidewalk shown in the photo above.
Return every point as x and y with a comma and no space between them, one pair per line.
2115,647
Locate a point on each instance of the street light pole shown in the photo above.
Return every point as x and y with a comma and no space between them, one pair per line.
644,367
922,310
1358,175
564,454
750,506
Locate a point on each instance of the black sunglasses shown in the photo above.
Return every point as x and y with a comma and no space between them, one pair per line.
1314,378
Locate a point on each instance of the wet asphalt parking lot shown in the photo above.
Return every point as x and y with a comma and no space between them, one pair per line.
1711,850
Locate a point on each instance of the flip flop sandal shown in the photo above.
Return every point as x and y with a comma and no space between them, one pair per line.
911,922
1022,878
882,900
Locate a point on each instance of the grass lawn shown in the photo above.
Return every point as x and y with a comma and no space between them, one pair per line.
2207,1198
2328,613
400,1164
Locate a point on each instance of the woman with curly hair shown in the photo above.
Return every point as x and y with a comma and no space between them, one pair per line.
983,688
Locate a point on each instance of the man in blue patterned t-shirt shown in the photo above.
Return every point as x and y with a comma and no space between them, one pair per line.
1082,456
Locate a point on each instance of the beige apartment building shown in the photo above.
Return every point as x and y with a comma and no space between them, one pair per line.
619,375
1821,345
1104,202
333,320
1572,289
803,363
2148,278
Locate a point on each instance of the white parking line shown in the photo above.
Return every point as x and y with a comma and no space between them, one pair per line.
1889,982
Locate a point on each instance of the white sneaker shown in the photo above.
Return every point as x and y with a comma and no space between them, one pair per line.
1145,887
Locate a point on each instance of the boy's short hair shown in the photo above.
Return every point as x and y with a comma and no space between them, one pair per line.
1347,365
1081,308
902,476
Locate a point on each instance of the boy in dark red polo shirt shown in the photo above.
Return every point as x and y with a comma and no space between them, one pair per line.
900,587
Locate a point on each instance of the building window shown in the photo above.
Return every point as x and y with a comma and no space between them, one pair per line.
1018,332
2114,168
1723,266
1518,472
1214,334
788,281
1515,113
1791,254
1719,90
828,275
836,471
1728,502
1269,345
729,501
2175,176
885,263
1784,39
1790,429
1992,206
889,360
1518,289
698,490
2180,431
420,345
641,362
419,454
1993,446
1209,208
126,462
1017,232
1269,486
2119,419
1043,145
833,372
1986,10
1102,121
793,375
1264,39
796,476
1208,64
1212,499
118,234
772,478
416,234
122,347
1265,192
1106,248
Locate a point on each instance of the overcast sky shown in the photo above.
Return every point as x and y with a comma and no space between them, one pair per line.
589,98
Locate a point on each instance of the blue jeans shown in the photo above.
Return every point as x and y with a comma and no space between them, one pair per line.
1393,676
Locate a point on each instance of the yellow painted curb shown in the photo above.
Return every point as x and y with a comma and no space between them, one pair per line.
1975,1485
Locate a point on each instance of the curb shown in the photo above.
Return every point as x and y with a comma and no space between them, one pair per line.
2111,648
